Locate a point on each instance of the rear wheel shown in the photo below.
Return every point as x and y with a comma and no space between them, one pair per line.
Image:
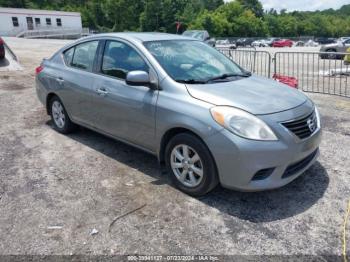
60,118
190,165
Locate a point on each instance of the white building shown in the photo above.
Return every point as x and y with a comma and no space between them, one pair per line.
14,21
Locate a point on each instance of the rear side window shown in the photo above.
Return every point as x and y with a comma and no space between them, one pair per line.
120,58
68,55
84,55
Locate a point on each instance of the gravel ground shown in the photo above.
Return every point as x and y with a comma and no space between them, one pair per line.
55,189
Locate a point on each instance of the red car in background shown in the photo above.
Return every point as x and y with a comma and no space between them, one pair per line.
282,43
2,49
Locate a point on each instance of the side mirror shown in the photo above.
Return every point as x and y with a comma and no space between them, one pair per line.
138,78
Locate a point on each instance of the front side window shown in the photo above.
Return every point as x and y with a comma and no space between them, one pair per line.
191,61
84,55
15,21
48,21
119,59
59,22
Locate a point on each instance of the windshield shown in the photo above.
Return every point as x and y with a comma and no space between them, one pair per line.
192,61
194,34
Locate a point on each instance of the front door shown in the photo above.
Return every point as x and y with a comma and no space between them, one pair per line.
30,25
126,112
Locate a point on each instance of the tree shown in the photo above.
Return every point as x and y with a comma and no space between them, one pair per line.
151,17
211,5
254,5
248,24
219,17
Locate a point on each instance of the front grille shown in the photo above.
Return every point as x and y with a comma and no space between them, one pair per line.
303,127
298,166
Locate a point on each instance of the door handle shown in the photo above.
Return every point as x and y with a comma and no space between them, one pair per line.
102,91
60,80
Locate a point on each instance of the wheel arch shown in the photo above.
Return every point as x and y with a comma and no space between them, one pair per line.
48,99
169,134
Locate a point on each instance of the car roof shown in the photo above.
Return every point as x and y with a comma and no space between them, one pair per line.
143,37
195,31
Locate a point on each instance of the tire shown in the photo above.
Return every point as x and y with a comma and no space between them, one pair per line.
332,56
204,183
60,118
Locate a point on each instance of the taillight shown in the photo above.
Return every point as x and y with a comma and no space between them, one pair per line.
39,69
1,41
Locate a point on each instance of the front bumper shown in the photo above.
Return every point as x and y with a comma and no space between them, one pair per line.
239,160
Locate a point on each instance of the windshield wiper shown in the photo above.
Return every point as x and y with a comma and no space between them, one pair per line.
225,76
190,81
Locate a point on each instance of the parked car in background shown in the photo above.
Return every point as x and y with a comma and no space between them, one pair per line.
311,43
225,44
347,57
269,41
299,43
342,39
207,119
202,35
260,43
333,49
244,42
2,48
325,40
282,43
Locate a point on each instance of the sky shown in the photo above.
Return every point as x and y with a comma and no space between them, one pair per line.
302,5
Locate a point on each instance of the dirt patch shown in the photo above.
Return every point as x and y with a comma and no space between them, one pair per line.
35,118
5,77
12,86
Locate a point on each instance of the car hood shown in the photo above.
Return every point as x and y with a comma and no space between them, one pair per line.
254,94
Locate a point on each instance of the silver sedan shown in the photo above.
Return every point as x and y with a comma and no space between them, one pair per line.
206,119
330,51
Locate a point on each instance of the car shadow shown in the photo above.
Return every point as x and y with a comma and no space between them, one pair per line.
4,62
272,205
290,200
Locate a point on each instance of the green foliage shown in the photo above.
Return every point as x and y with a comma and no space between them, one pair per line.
254,5
234,18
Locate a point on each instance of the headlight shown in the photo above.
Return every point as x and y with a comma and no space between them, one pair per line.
318,119
242,123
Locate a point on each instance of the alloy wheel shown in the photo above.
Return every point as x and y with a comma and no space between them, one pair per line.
187,165
58,114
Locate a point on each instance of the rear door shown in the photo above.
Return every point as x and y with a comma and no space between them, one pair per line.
75,80
124,111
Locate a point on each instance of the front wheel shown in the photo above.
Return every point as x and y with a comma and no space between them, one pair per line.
190,165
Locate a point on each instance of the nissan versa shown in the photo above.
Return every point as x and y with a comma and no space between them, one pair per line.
206,118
